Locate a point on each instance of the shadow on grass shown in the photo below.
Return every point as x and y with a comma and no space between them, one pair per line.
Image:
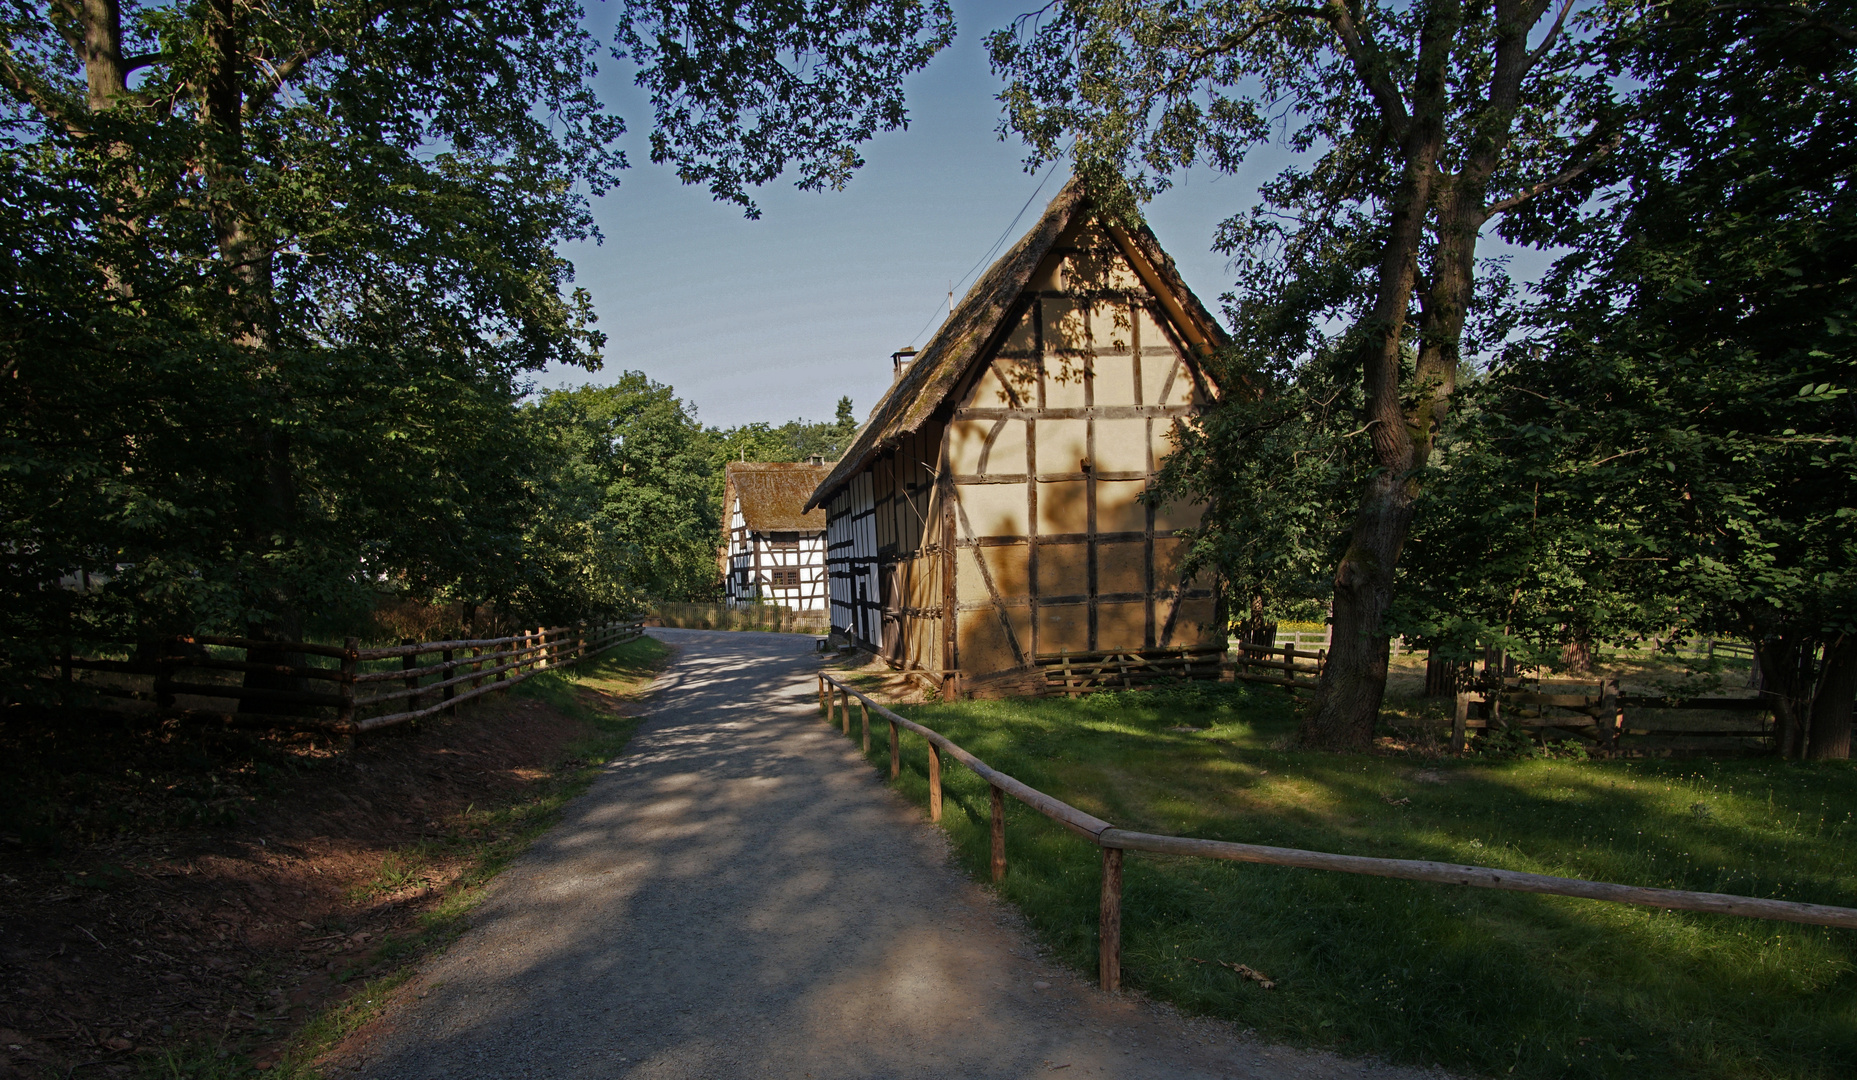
1494,983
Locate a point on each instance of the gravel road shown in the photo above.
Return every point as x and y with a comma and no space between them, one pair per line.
739,896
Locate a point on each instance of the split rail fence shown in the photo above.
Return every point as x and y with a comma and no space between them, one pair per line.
1252,663
1599,713
1073,674
1607,718
357,689
835,699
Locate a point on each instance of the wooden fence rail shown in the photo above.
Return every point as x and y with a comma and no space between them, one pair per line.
836,697
1248,664
465,669
1608,716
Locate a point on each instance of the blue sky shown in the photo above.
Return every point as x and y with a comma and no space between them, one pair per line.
776,318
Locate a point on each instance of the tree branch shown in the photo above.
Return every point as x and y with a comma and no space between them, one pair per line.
36,94
1189,74
1560,20
1595,150
1357,42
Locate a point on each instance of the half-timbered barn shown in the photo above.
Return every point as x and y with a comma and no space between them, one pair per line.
988,526
774,547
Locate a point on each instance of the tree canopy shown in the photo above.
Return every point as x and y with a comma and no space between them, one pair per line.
1415,124
275,276
1654,438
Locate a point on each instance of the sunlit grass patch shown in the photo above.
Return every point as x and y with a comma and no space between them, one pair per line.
1486,982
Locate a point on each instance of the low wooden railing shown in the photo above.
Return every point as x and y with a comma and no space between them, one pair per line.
835,699
361,694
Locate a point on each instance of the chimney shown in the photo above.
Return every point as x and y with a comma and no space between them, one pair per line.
816,459
900,360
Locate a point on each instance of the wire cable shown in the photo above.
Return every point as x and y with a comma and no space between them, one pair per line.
986,259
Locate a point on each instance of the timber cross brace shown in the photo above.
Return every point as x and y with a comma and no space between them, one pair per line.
835,701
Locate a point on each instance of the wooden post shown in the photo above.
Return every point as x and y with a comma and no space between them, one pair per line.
1459,723
1610,720
345,712
450,691
408,662
1109,923
864,723
934,782
821,691
999,834
896,754
1289,659
845,716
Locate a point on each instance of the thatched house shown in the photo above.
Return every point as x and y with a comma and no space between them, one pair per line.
773,546
987,526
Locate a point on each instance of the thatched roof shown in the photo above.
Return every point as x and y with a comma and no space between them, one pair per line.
979,320
773,494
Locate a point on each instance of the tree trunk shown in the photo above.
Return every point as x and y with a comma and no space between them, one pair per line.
1830,734
272,504
1255,629
1347,702
1577,655
1786,663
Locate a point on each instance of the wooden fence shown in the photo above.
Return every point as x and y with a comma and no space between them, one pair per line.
356,689
1072,674
1608,718
1611,721
1252,663
835,699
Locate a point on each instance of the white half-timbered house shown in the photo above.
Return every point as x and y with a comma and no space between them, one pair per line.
774,550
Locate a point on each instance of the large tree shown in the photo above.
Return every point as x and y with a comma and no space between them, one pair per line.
1416,125
272,268
1684,407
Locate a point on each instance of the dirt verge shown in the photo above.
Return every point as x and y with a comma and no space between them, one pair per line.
189,898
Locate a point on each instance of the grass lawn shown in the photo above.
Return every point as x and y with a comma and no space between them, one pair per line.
1500,984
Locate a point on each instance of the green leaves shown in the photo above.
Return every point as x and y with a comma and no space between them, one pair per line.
741,93
1822,392
271,281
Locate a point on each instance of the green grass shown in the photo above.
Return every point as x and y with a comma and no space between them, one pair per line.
1485,982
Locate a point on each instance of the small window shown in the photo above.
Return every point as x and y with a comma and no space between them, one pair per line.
783,579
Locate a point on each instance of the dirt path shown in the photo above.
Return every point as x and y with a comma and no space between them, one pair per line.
738,896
